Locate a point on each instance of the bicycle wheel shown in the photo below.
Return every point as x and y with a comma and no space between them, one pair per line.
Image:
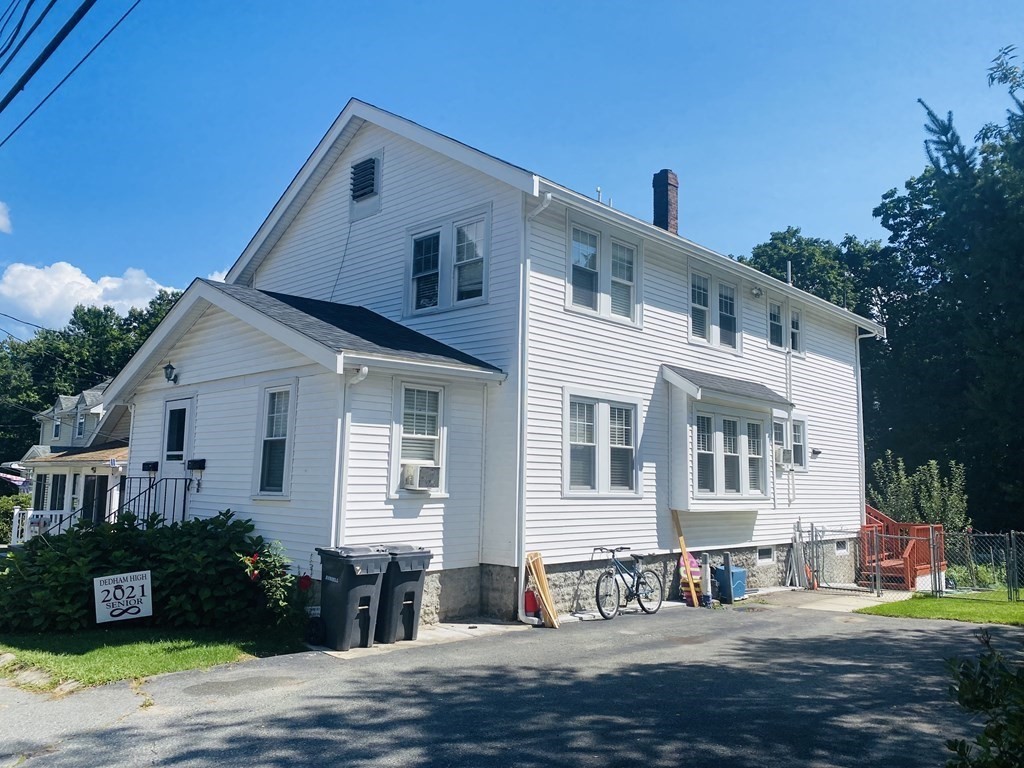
649,593
607,595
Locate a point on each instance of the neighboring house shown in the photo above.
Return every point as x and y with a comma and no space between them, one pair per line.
75,469
425,344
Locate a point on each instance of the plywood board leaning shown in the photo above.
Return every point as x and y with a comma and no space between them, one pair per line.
540,578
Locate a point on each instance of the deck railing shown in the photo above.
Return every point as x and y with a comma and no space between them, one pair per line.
910,544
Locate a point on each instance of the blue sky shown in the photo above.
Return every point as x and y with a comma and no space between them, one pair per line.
158,160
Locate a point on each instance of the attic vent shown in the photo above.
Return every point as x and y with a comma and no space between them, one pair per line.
364,179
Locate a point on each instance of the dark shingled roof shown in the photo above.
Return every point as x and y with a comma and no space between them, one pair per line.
345,328
728,386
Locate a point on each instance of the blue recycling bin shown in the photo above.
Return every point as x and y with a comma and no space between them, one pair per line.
730,590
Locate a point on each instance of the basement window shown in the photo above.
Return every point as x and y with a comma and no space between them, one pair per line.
842,547
765,555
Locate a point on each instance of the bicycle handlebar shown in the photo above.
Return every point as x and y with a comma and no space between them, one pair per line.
609,549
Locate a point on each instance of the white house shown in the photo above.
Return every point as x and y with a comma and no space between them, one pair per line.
426,344
75,469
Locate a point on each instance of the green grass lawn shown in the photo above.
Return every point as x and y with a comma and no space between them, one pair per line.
977,607
101,656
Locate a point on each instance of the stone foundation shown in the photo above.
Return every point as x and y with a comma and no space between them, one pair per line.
452,594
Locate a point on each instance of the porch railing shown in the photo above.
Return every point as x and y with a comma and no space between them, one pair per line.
160,501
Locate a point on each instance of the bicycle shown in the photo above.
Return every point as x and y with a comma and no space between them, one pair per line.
644,585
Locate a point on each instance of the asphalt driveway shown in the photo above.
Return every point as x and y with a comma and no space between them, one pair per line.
763,685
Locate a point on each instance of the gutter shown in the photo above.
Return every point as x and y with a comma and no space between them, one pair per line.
524,336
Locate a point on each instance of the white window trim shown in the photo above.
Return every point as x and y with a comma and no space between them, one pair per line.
80,425
714,319
602,402
190,415
368,206
845,551
787,434
55,430
766,560
787,318
291,386
606,235
717,414
395,491
446,273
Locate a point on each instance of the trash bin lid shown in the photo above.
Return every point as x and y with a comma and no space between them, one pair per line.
404,549
349,553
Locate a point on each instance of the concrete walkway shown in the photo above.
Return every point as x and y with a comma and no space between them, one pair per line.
833,600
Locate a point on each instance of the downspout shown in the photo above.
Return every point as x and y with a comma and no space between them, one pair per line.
861,469
342,442
791,475
524,330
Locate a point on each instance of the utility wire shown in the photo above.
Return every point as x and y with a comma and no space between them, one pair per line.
25,322
59,358
51,46
25,39
26,409
69,74
14,32
8,14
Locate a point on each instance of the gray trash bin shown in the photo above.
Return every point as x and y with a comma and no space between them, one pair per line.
350,594
401,593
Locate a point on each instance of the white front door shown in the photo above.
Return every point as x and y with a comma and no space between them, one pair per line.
177,438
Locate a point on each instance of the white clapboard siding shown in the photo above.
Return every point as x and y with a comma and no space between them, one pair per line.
449,526
569,348
224,365
364,262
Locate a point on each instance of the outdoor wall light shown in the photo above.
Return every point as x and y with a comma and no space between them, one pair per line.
757,292
169,374
815,452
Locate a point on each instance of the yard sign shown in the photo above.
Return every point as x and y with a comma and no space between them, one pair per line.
123,596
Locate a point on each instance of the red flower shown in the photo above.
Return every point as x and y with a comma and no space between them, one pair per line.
254,575
255,557
305,582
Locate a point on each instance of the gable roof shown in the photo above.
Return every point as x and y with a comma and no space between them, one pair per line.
345,328
99,454
333,335
355,114
713,384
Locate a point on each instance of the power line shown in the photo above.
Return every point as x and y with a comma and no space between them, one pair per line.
69,74
26,409
51,46
24,322
25,39
14,32
59,358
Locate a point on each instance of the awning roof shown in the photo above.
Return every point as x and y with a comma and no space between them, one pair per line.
94,454
699,384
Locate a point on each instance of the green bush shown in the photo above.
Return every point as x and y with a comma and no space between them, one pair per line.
980,576
7,505
199,575
992,687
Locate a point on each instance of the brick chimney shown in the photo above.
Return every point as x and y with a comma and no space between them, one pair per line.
666,200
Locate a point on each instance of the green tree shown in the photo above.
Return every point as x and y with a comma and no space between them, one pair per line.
95,344
926,496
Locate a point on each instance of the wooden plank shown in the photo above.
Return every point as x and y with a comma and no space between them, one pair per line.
684,558
540,578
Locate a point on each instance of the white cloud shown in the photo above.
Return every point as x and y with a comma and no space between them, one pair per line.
5,218
218,276
46,295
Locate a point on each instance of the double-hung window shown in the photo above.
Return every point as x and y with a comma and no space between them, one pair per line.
792,435
775,327
275,439
785,326
421,426
729,454
603,270
449,263
56,429
80,426
795,337
714,311
601,446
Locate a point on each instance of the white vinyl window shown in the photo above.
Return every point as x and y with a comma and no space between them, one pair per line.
275,439
584,268
726,315
601,444
776,336
779,434
622,301
421,426
705,454
448,263
765,555
58,489
603,271
730,455
714,312
80,426
800,444
795,331
700,312
56,429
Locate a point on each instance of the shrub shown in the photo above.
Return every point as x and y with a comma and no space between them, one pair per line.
198,575
7,505
978,576
993,688
922,497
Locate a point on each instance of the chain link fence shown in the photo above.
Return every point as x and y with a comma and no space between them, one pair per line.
983,565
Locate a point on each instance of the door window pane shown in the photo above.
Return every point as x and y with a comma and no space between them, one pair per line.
175,445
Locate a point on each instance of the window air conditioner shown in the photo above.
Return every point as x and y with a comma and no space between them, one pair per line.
420,477
784,457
